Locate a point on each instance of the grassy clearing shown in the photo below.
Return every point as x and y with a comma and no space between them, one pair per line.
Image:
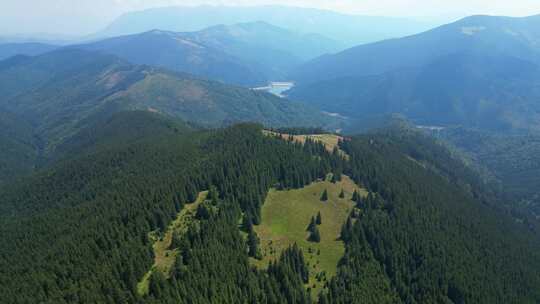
330,141
286,215
164,257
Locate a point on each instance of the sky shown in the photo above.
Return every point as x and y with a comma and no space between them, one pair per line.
82,17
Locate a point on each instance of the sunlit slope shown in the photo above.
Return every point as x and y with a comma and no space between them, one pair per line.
287,214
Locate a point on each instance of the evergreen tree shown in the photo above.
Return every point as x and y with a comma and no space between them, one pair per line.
324,196
315,235
342,194
247,223
318,220
312,225
253,245
355,196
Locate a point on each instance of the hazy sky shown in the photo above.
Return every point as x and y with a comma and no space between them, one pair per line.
76,17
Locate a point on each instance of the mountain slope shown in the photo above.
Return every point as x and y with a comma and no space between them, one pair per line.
349,29
179,53
516,37
31,49
19,148
483,91
83,230
478,72
64,91
248,54
512,159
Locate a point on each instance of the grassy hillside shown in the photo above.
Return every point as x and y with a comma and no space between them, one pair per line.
286,215
330,141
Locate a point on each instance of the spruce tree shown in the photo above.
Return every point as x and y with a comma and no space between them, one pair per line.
253,245
312,225
324,196
318,220
315,235
342,194
355,196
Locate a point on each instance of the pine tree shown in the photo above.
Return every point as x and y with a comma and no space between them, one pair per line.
247,223
324,196
342,194
253,245
355,196
315,235
312,225
318,220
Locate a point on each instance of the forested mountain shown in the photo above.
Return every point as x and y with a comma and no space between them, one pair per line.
491,92
19,149
514,160
31,49
140,168
248,54
63,91
348,29
81,230
479,72
477,35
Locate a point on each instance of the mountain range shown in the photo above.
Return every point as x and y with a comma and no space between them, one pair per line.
248,54
30,49
348,29
140,169
481,72
61,92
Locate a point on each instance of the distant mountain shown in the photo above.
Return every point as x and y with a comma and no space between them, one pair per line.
248,54
63,91
479,72
31,49
517,37
349,29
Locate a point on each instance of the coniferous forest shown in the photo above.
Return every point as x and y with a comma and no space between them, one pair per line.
235,153
77,232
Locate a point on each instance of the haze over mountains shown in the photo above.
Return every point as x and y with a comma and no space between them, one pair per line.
480,71
246,54
31,49
348,29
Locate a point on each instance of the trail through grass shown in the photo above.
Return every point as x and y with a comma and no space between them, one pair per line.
164,257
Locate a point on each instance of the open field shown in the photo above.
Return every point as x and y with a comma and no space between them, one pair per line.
286,215
330,141
164,257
